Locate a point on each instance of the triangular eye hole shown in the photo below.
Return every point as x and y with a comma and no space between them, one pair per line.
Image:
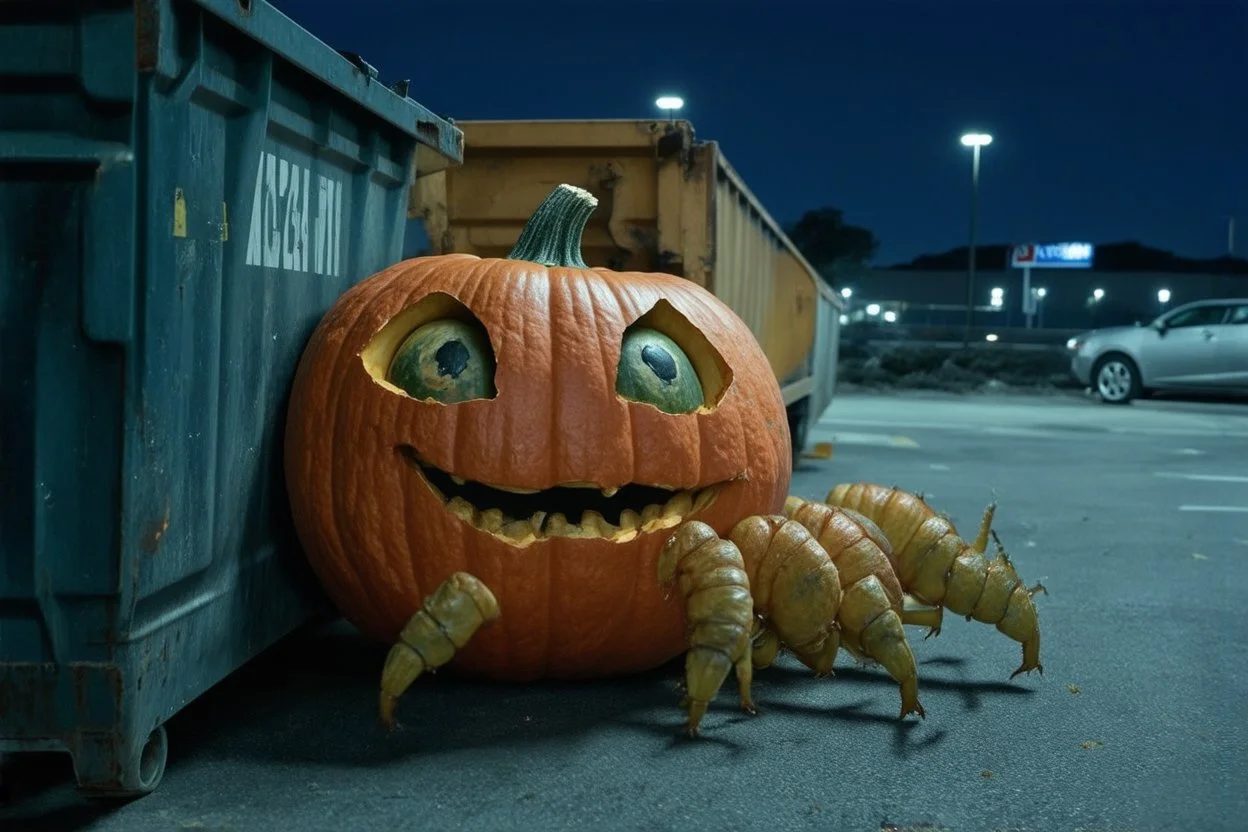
447,360
666,362
655,370
435,350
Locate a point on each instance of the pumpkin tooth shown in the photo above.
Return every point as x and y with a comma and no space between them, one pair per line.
629,519
458,480
538,521
651,513
522,532
491,520
462,509
593,521
557,525
679,506
609,492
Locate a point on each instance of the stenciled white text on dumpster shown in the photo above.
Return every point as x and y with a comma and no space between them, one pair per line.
282,233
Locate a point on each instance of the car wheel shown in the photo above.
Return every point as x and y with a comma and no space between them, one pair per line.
1116,379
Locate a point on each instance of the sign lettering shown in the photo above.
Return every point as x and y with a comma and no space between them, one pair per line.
280,235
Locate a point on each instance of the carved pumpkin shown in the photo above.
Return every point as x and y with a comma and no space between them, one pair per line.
538,424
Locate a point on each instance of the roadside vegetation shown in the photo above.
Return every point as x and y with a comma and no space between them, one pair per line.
956,370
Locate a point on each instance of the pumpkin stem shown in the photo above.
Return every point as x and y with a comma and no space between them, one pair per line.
552,235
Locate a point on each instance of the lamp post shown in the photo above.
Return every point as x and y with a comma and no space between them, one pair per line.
669,104
974,141
1094,303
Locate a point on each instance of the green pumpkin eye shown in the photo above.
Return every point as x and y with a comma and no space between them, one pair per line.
448,361
654,370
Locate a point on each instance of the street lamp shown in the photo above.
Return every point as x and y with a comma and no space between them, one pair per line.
847,293
1094,303
670,104
1163,296
974,141
997,298
1041,292
890,316
873,309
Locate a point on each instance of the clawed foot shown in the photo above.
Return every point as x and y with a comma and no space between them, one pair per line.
1031,657
445,623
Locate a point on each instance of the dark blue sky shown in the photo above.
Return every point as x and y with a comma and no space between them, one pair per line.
1112,119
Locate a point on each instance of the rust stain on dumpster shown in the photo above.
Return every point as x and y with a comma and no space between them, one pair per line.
146,34
155,532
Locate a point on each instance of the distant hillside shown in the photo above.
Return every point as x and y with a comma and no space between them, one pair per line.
1110,257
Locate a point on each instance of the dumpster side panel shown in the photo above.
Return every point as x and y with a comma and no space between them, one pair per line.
510,167
760,274
171,238
827,349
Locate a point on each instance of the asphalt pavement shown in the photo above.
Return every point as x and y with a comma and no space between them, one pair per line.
1135,519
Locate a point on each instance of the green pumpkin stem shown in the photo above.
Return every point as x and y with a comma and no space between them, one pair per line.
552,235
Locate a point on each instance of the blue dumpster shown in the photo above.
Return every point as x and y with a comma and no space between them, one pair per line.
185,188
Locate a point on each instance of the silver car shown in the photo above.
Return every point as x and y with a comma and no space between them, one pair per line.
1197,346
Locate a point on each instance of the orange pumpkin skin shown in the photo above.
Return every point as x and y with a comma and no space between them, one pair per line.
380,539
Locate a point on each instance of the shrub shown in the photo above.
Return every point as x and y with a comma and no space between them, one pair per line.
957,370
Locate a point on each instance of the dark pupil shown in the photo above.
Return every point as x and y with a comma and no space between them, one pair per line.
660,362
452,358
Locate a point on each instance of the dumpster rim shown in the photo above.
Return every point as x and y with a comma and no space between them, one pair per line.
261,24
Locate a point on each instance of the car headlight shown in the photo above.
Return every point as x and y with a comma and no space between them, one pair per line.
1074,344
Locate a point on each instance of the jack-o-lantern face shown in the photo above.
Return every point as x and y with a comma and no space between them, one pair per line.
538,424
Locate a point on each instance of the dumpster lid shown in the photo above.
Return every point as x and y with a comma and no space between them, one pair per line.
346,72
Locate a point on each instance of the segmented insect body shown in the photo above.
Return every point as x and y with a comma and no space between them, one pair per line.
713,582
871,605
938,567
796,588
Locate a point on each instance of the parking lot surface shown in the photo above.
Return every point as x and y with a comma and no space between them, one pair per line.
1135,519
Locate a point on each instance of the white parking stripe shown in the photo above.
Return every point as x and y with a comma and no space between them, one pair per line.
1219,509
1113,430
1201,477
886,440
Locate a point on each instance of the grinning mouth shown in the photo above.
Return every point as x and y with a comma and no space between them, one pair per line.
522,517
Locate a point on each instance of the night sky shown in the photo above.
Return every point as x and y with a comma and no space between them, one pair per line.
1112,119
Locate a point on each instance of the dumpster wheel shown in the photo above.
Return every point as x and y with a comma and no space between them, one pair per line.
134,778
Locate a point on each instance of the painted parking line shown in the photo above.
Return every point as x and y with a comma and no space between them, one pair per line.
1201,477
1217,509
1115,430
879,440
